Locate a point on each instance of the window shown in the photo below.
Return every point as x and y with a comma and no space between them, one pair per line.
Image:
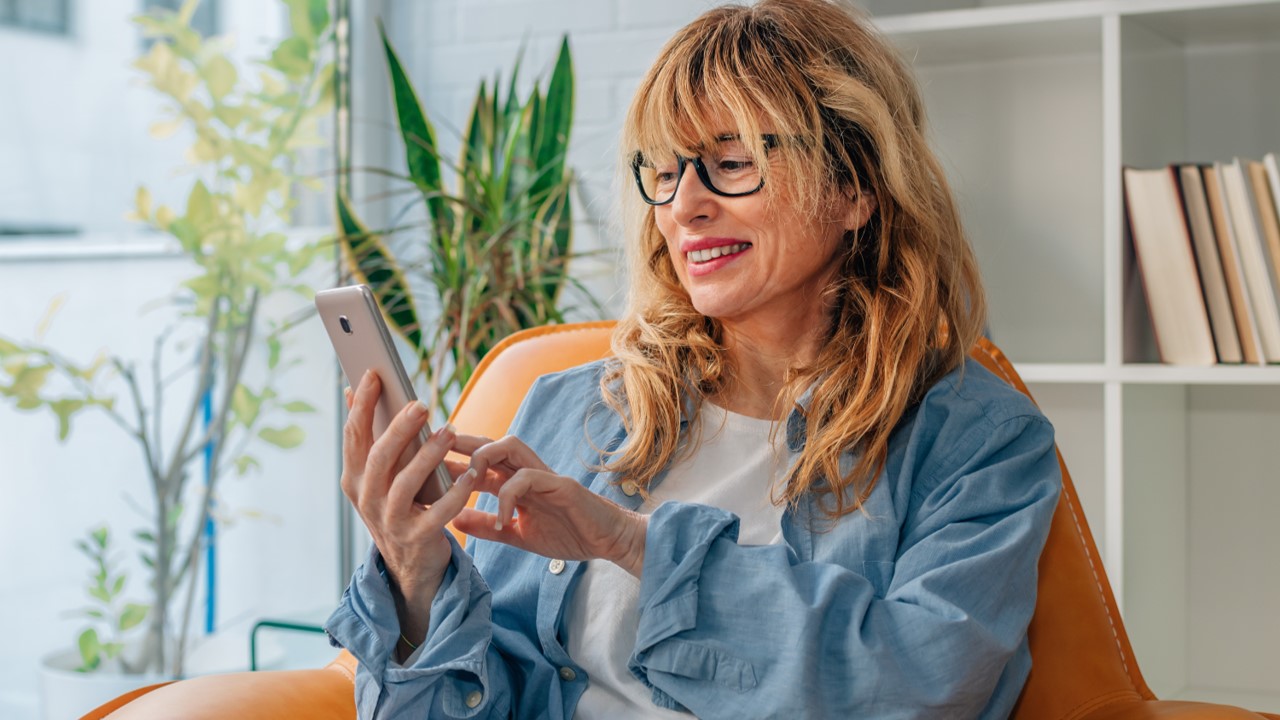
205,21
51,16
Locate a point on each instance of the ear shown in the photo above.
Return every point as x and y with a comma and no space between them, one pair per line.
862,207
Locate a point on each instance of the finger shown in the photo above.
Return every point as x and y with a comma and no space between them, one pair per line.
468,444
357,432
453,502
481,525
350,396
407,483
384,456
510,494
506,457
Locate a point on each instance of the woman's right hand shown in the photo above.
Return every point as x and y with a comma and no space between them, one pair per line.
410,536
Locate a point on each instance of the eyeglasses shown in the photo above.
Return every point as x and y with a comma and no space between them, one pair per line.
727,170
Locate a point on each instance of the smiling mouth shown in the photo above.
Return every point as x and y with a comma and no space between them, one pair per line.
709,254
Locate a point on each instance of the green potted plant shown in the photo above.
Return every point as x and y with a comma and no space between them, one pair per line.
493,253
247,138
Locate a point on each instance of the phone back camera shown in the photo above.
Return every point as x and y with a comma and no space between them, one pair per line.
346,326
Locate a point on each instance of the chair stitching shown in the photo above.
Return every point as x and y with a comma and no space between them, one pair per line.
1075,518
1093,568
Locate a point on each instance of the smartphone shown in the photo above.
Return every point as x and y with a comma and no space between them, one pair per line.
360,336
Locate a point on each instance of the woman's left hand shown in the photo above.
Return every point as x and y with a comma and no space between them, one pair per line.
558,517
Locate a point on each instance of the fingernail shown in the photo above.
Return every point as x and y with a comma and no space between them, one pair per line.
450,427
498,525
417,410
469,476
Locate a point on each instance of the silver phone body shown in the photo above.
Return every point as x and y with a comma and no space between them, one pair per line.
354,322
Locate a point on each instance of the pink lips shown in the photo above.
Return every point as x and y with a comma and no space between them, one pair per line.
706,265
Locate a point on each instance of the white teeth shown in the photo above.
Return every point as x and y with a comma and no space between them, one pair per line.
701,256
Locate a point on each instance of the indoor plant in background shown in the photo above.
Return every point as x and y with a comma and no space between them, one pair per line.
493,254
247,139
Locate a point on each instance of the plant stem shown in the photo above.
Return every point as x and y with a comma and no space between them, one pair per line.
234,370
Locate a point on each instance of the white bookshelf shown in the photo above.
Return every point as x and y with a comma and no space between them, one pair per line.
1034,108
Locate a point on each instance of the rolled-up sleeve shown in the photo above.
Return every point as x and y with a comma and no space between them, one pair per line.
725,627
455,673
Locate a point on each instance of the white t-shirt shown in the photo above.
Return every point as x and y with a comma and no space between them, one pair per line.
734,468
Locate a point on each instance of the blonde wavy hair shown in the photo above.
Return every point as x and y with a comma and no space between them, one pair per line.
907,302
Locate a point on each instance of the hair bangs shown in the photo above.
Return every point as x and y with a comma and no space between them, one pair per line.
718,79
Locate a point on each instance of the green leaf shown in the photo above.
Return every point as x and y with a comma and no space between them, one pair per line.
422,158
100,593
286,438
245,405
308,18
101,536
298,406
112,649
220,75
29,380
64,409
244,463
118,586
132,615
292,57
200,210
145,536
142,203
371,263
95,613
90,648
274,347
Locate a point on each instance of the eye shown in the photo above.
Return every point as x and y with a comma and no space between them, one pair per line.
734,165
665,175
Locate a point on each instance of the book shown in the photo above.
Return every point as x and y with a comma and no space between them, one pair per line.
1232,269
1273,176
1221,319
1162,245
1268,223
1242,208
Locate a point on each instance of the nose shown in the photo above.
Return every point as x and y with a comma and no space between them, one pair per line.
693,203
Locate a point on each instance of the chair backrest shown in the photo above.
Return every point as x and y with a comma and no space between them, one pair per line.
1080,653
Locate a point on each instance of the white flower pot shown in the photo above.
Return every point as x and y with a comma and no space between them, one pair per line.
66,694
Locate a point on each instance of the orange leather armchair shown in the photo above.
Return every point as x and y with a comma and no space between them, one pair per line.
1082,665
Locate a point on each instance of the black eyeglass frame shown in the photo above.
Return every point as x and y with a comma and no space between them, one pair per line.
637,161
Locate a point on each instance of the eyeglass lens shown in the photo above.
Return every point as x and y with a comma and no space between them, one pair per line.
728,170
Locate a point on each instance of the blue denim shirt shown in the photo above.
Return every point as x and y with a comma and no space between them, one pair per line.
916,606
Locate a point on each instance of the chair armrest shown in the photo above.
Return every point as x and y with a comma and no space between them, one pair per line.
1169,710
325,694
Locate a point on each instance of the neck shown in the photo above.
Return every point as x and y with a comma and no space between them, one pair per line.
761,358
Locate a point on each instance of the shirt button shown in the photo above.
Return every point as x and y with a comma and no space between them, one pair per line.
629,488
556,567
474,698
567,674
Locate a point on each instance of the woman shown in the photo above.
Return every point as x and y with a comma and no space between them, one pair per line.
790,494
